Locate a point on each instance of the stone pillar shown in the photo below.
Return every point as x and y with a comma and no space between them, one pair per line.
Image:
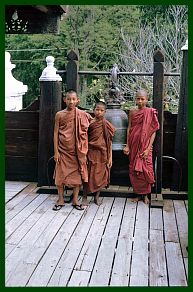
14,89
50,103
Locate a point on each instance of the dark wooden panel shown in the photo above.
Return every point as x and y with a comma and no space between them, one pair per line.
21,142
22,150
21,120
169,132
170,121
21,168
120,169
181,142
169,143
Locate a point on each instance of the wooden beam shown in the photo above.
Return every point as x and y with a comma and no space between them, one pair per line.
72,78
156,201
41,8
181,141
50,103
158,81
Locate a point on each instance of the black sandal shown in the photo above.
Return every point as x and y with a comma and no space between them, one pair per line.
78,207
57,207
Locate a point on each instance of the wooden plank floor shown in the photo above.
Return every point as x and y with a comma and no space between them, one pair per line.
12,188
120,243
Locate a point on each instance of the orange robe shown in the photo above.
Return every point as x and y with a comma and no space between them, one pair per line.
73,148
144,123
100,135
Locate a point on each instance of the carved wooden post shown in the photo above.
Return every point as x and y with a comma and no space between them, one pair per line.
158,84
72,78
50,103
181,141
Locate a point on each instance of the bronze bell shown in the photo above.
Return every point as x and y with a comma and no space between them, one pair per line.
119,119
114,113
120,168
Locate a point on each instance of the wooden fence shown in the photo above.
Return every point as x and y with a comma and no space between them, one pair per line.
27,132
21,161
21,140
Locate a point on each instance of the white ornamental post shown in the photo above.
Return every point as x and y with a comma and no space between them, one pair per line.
14,89
49,73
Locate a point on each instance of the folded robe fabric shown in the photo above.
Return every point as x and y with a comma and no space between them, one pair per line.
144,123
100,135
73,148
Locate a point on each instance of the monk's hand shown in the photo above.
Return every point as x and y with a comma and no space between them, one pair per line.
145,154
57,157
86,159
109,163
126,150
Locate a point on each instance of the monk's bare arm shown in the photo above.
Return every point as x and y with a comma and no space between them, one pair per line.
126,150
56,129
151,140
146,151
110,162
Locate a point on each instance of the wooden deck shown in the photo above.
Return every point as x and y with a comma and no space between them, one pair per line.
120,243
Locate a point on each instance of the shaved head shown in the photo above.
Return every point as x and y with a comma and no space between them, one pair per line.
142,92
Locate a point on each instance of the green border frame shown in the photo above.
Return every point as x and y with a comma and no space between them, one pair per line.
2,123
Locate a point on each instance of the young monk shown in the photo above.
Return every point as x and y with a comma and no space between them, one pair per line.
70,149
142,127
100,135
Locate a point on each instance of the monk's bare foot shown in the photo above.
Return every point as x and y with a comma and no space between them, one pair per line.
84,202
97,201
136,199
60,202
145,199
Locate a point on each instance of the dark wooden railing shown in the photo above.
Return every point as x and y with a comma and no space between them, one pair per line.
22,161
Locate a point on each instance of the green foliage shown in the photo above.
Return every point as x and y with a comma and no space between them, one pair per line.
150,12
97,33
29,59
92,30
96,91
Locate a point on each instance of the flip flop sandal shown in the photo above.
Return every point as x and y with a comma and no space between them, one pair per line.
57,207
78,207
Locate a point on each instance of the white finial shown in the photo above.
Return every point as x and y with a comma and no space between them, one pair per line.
185,47
49,73
8,64
14,89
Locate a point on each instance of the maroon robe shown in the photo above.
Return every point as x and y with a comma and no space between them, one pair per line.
144,123
73,148
100,135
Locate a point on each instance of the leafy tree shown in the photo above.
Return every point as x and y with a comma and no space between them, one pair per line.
103,35
92,30
28,54
165,35
150,12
